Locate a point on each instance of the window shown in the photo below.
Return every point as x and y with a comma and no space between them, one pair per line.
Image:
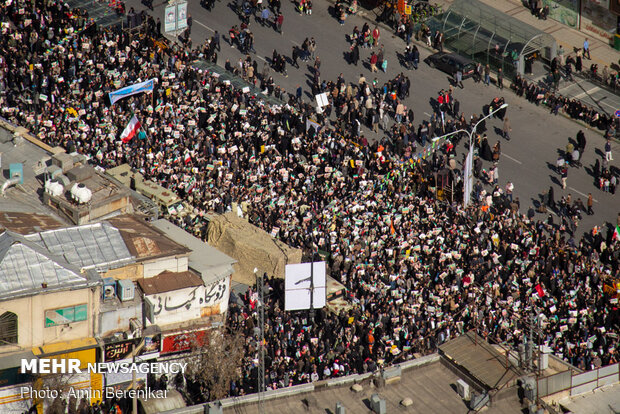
65,316
8,328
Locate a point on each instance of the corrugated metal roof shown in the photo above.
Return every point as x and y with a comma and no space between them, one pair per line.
26,267
144,241
480,359
169,281
212,264
97,246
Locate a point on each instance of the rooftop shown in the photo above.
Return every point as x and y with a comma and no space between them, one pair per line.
40,161
27,223
209,262
28,269
144,240
98,245
169,281
24,198
481,360
602,400
431,387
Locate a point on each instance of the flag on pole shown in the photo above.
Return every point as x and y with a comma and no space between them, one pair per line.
616,235
187,157
131,129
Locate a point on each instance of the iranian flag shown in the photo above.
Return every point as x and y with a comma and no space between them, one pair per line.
616,235
130,130
187,158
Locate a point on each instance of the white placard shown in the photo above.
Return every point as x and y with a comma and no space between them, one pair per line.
321,100
297,286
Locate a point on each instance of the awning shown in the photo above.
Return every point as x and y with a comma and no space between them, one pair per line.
65,347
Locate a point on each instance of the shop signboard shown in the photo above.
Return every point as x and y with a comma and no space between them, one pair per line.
117,350
184,341
597,20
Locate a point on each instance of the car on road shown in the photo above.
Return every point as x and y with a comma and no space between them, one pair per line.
451,62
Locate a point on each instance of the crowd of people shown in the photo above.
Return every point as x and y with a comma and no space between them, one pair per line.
418,270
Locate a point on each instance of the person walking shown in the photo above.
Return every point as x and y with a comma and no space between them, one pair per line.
458,79
608,155
487,75
355,54
373,62
264,16
564,175
216,41
506,129
586,49
500,78
590,203
189,24
294,56
279,21
550,198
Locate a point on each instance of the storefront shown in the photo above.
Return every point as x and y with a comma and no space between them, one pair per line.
597,19
85,350
122,352
564,11
11,381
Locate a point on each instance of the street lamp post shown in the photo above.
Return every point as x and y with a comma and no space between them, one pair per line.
467,187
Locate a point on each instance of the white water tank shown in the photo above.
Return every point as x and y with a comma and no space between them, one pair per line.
54,188
80,193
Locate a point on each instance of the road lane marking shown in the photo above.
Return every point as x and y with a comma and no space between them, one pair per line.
510,158
588,92
585,195
204,25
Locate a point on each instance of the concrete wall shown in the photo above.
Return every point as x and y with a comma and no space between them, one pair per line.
172,264
117,320
30,312
177,306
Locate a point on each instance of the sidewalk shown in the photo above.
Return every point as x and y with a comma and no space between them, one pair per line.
602,54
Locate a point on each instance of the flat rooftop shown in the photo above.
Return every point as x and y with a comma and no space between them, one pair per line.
602,400
482,361
428,386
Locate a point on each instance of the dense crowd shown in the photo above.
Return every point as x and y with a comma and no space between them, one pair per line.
418,270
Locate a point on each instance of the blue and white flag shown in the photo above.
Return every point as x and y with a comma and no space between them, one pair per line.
121,93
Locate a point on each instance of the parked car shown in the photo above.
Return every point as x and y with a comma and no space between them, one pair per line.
451,62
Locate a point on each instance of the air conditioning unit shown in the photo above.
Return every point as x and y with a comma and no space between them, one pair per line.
463,389
125,290
340,408
109,288
135,327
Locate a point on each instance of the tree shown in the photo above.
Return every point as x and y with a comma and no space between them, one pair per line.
215,365
51,390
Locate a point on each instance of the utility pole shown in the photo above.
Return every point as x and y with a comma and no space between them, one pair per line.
312,282
136,350
261,337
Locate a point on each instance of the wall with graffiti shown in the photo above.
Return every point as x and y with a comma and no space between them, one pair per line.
190,303
564,11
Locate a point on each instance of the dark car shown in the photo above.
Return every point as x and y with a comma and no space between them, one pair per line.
451,62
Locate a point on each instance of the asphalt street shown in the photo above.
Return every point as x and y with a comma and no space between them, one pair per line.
528,159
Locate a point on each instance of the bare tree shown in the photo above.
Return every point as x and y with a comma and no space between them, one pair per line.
54,400
215,365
